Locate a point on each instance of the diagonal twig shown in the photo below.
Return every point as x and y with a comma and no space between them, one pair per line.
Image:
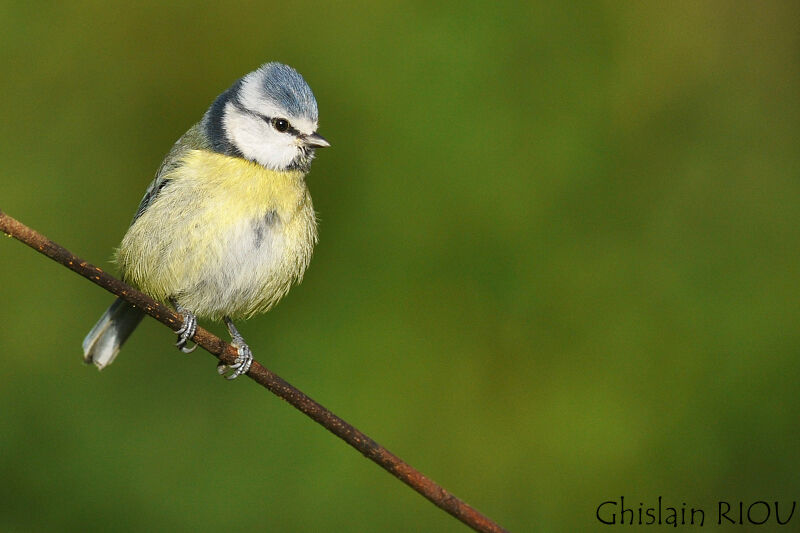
227,354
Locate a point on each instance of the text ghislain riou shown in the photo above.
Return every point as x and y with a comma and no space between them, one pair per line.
756,513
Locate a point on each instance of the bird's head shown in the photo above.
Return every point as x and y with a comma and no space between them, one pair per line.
269,117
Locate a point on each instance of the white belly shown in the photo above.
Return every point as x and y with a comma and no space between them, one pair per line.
256,264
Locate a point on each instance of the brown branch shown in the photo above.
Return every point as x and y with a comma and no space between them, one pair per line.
227,354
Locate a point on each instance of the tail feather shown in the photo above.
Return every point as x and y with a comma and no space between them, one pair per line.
102,344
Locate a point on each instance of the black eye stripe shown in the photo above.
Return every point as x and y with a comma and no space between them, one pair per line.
290,130
271,121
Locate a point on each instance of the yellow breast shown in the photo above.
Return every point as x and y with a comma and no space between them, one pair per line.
224,236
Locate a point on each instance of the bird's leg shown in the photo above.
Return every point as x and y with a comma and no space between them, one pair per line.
243,360
188,329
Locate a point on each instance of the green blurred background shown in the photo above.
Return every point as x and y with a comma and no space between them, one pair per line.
558,264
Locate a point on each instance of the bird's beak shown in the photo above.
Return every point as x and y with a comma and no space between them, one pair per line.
315,140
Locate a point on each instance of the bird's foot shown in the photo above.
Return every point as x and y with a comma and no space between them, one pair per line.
188,329
242,364
243,361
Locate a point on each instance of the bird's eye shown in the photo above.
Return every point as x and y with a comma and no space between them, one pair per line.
280,124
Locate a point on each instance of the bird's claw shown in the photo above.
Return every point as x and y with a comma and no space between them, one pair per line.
187,331
241,364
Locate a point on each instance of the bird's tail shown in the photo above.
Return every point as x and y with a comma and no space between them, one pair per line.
102,344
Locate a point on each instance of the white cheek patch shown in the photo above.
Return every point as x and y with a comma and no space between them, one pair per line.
257,140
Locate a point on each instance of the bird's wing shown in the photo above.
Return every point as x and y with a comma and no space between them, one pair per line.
194,139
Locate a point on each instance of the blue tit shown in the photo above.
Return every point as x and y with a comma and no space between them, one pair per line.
227,225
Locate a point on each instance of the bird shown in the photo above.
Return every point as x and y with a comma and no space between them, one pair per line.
227,226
